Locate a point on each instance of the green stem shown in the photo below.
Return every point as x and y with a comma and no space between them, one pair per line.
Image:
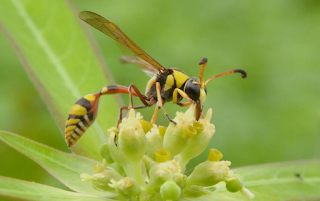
136,172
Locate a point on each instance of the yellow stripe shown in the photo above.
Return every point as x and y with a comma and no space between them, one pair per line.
202,97
82,126
72,141
72,121
68,134
104,90
90,97
75,136
87,119
79,131
169,82
69,128
78,110
180,77
68,139
150,83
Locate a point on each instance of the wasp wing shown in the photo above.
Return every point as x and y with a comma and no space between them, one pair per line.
144,66
114,32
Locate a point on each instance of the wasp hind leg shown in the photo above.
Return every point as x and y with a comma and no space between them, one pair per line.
133,91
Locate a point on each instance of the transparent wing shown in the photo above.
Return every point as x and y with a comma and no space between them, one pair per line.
113,31
144,66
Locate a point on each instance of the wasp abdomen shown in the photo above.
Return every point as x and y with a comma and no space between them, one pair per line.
81,116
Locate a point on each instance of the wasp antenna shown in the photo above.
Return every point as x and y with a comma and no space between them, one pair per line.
243,75
203,64
203,61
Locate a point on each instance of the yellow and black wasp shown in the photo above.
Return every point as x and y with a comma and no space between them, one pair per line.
165,85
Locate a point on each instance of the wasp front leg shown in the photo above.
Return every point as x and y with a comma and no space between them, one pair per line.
175,99
160,103
190,101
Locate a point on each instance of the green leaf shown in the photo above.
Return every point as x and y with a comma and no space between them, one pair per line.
298,180
60,61
64,167
18,189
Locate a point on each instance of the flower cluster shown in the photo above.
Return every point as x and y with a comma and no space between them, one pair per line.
147,162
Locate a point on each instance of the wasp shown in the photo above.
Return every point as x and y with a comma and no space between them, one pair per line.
165,85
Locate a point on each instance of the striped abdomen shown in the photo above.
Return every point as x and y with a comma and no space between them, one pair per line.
81,116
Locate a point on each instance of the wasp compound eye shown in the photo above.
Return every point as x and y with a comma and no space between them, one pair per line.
193,89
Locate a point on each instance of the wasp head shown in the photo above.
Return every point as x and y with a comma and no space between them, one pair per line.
197,93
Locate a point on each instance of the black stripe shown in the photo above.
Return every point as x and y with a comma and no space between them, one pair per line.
112,87
85,103
78,134
72,116
72,138
90,116
85,123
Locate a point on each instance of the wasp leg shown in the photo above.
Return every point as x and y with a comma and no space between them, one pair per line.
154,116
184,104
133,91
138,93
184,95
160,102
128,108
120,118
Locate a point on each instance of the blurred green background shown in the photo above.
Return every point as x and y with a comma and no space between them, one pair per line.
273,115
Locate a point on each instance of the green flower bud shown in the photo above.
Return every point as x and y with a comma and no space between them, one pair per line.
104,152
102,179
209,173
154,142
162,172
116,155
234,184
197,144
126,187
132,141
177,136
170,191
180,180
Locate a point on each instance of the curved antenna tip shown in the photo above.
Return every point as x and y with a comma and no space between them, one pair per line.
243,73
203,61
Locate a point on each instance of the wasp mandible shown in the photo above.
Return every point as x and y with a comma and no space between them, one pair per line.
165,85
